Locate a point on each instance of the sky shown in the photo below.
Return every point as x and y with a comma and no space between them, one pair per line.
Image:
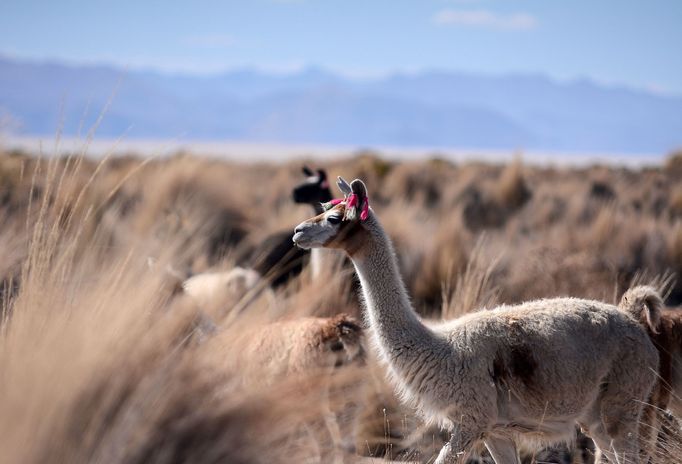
635,43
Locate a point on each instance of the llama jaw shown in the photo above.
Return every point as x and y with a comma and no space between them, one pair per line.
320,230
312,235
300,241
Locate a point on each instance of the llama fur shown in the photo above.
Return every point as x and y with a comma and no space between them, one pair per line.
210,287
329,351
664,326
303,345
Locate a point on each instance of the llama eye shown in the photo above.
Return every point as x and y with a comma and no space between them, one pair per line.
336,346
334,219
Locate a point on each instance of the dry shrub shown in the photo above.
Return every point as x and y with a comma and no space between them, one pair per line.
370,165
675,253
601,190
491,204
603,227
446,257
97,366
417,183
427,254
188,192
473,289
481,211
511,190
676,202
673,164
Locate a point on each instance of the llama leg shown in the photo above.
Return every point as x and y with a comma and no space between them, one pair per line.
622,426
619,448
503,450
650,428
458,449
625,445
627,450
620,407
603,445
585,449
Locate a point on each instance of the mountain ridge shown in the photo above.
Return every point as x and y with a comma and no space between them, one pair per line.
432,108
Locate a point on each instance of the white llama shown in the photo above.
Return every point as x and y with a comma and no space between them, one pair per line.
232,285
526,372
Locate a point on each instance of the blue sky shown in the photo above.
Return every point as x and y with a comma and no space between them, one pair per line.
635,43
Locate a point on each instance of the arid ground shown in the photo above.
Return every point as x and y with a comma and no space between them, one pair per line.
103,359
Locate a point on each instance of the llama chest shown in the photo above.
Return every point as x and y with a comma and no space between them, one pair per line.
429,381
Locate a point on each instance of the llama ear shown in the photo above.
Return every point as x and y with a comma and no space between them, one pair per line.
307,171
322,175
358,188
343,186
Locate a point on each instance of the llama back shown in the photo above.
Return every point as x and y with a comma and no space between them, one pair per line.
526,346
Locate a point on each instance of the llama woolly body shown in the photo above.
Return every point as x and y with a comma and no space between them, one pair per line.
515,373
515,366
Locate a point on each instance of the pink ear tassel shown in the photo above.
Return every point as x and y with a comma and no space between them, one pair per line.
365,210
351,202
351,207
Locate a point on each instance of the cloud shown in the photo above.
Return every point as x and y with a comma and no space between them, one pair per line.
485,18
209,41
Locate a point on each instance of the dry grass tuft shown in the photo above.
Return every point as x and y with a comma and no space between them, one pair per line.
673,164
473,289
512,191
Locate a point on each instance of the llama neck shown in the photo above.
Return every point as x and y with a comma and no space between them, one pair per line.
398,332
321,262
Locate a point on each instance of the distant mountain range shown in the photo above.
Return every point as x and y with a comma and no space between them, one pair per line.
430,109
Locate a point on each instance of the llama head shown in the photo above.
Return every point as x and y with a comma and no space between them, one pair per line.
314,189
341,222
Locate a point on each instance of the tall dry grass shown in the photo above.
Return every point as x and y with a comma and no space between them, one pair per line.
100,362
